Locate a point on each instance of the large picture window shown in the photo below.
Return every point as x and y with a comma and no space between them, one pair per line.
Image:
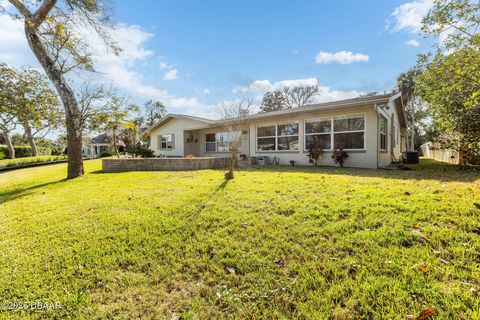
278,137
349,131
221,141
383,133
318,132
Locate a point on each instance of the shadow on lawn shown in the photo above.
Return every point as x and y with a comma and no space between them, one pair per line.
6,196
443,173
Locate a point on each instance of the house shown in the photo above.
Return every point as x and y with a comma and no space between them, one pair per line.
371,129
94,147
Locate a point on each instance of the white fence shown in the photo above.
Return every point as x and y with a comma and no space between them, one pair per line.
431,150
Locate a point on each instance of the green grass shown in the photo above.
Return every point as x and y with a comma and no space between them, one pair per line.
276,242
26,160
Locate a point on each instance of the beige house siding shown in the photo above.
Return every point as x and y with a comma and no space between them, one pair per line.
176,127
190,136
366,158
394,136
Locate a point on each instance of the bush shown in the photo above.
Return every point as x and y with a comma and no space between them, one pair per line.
24,151
105,154
139,151
339,155
315,151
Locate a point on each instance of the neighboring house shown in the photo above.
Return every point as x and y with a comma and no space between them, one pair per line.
371,129
93,148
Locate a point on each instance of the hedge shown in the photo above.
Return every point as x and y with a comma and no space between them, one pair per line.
24,151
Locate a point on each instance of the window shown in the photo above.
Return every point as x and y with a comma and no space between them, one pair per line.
383,133
349,131
318,131
278,137
166,141
221,141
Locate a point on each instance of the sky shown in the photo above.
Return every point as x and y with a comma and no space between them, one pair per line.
192,54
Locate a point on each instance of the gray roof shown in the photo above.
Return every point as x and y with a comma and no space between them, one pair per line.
359,101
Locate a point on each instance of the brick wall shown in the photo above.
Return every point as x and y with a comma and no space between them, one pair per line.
162,164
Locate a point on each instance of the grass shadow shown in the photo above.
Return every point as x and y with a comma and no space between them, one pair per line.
9,195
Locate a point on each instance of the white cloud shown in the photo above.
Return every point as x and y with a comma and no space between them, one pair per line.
409,16
259,87
413,43
206,91
14,49
170,75
119,70
294,51
342,57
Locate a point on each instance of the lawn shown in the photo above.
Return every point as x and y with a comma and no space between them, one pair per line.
22,161
275,243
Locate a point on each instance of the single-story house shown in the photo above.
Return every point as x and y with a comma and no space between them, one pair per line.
94,147
371,129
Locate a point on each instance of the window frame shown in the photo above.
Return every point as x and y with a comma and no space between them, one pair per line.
332,130
172,146
385,120
276,136
305,134
216,142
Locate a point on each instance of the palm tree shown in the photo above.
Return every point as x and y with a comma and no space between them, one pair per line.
406,85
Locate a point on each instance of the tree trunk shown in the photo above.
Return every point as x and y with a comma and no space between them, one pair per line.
8,142
115,147
72,112
30,138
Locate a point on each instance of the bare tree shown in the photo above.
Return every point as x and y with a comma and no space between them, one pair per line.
92,100
299,96
288,98
234,119
49,28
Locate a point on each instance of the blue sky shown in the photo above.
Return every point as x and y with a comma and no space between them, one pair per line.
191,54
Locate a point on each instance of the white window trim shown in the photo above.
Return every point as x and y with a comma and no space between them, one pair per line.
276,136
332,132
305,134
171,142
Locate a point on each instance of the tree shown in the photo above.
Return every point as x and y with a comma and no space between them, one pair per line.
34,104
49,28
450,85
288,98
7,125
114,116
273,101
411,101
7,117
233,119
450,80
154,111
299,96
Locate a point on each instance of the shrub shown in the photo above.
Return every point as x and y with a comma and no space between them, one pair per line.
105,154
339,155
3,152
315,151
24,151
140,151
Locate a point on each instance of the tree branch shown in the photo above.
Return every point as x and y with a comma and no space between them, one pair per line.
42,12
21,8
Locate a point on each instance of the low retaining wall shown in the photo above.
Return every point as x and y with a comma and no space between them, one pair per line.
162,164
